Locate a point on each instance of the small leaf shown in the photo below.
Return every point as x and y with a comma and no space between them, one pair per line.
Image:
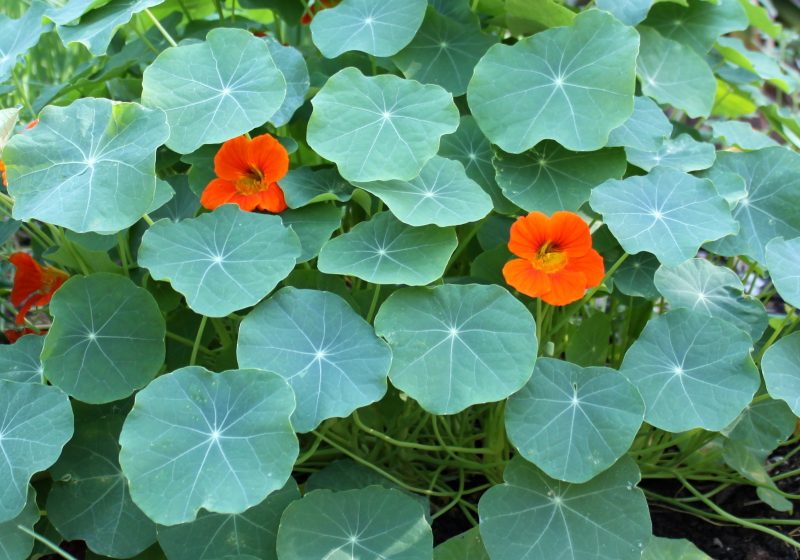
716,291
635,276
218,441
466,546
673,73
531,516
313,226
697,364
373,522
18,36
672,549
444,52
683,153
221,261
699,24
667,213
15,544
457,345
384,250
782,372
549,178
37,422
89,166
646,128
379,128
214,90
292,65
213,536
573,422
741,134
89,499
629,12
762,426
589,346
781,260
304,185
107,338
326,352
554,84
20,361
442,194
376,28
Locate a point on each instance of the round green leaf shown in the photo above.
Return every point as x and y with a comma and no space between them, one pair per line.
313,226
222,261
646,128
741,134
18,36
782,372
574,422
37,422
305,185
107,338
554,85
89,499
457,345
698,24
442,194
466,546
672,549
469,146
327,353
781,258
666,212
682,152
686,361
14,543
762,426
292,65
531,516
629,12
673,73
444,52
89,166
376,28
218,441
384,250
549,178
771,206
214,90
373,522
716,291
635,276
20,361
379,128
214,536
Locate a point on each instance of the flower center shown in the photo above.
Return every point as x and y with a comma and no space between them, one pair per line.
251,182
549,258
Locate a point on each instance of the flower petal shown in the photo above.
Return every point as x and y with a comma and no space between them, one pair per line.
592,266
521,275
217,193
570,234
272,199
565,287
231,161
27,279
528,234
267,155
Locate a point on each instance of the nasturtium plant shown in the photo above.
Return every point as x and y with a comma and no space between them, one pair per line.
401,280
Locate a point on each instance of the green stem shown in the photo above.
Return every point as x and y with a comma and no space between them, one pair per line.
196,345
775,334
187,342
49,544
463,243
123,253
148,220
374,303
160,28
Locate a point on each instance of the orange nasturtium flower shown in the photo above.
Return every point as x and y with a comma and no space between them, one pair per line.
13,335
34,284
314,7
248,172
557,261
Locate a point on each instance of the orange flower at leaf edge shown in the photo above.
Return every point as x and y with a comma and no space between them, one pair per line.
248,172
34,284
557,262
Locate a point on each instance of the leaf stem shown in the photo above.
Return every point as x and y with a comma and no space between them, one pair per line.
196,345
49,544
374,303
160,28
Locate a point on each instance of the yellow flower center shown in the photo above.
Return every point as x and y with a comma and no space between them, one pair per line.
549,258
251,183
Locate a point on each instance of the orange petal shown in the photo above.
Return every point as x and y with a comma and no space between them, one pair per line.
592,266
528,234
521,275
272,199
565,287
217,193
27,278
231,161
3,173
269,157
570,233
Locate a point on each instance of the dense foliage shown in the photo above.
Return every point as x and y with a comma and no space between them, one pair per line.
321,279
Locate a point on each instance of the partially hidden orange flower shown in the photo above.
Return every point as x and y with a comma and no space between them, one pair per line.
314,7
248,172
34,284
13,335
557,262
3,177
